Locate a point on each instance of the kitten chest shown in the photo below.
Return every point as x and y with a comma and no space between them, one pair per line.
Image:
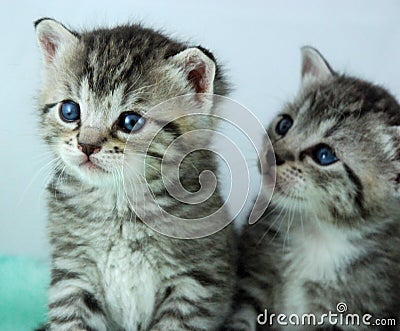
314,257
130,284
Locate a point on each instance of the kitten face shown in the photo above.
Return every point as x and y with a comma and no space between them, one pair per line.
98,90
336,147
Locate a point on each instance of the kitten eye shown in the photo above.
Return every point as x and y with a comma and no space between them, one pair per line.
69,111
130,122
284,125
324,155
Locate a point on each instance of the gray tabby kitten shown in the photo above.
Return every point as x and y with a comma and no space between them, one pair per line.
332,232
110,271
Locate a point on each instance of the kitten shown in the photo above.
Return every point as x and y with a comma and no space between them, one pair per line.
332,232
110,271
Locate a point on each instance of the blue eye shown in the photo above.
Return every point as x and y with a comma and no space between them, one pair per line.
324,155
130,122
69,111
284,125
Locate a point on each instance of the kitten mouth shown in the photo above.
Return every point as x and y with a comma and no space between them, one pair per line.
287,194
89,165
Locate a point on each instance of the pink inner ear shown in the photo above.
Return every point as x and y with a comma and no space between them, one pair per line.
49,48
307,68
197,76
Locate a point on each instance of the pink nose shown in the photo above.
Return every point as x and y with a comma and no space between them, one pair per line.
89,149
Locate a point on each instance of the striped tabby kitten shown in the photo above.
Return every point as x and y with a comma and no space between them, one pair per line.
109,270
332,232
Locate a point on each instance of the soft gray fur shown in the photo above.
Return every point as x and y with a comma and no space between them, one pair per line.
332,232
109,270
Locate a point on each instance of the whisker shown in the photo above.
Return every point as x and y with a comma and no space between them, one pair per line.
45,167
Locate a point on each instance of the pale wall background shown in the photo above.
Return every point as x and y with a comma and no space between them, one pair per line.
258,41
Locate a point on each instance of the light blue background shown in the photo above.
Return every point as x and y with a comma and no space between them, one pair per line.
258,41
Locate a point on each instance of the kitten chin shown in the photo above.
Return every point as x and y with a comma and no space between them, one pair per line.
332,232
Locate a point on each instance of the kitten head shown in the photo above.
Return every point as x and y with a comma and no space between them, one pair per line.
100,85
337,147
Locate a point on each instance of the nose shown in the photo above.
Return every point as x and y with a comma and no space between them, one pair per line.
282,157
279,160
88,149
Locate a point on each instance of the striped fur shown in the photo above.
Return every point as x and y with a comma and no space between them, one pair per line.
109,270
332,233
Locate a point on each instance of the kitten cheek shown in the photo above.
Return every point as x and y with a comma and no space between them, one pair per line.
290,178
69,153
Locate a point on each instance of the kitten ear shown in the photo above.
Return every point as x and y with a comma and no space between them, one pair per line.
53,37
199,67
314,68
